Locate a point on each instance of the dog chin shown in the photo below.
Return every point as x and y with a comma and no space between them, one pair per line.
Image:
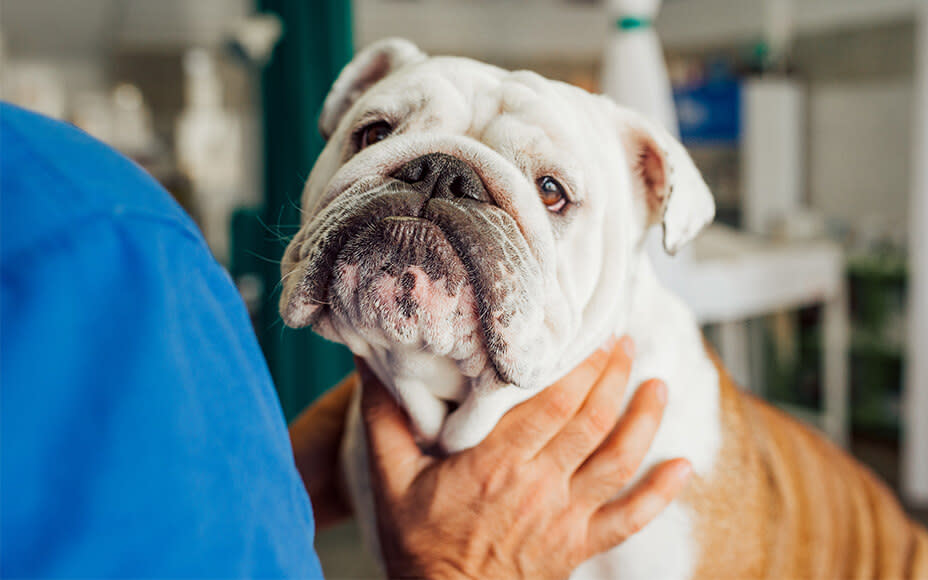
400,283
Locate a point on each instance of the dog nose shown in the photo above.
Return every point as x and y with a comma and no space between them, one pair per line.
443,175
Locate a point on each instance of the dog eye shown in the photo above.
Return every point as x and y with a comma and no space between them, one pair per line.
552,193
373,133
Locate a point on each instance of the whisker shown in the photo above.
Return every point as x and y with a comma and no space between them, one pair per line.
260,257
296,207
276,233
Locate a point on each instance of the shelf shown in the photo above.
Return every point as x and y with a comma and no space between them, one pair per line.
735,276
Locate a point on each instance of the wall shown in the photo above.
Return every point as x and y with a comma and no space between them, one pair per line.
860,104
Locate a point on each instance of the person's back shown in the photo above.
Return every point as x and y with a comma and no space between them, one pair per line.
122,342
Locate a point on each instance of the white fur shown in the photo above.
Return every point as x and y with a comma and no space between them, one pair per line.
669,346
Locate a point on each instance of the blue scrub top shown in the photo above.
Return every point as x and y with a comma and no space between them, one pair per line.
140,434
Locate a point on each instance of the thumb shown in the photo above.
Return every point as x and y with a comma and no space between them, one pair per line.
394,457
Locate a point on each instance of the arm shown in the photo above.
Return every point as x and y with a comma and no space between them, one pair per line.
316,437
140,425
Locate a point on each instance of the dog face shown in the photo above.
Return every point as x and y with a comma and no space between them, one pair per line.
490,218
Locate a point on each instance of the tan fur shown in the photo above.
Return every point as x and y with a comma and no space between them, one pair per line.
784,503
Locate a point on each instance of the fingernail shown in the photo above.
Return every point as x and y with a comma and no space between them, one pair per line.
628,345
660,391
683,470
609,344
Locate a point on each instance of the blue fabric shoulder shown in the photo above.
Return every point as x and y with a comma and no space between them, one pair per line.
140,432
61,175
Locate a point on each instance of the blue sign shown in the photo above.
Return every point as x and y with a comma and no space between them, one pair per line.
710,113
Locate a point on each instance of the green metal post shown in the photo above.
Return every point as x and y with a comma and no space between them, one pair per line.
316,44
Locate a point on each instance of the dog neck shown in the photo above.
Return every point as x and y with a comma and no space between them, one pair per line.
669,346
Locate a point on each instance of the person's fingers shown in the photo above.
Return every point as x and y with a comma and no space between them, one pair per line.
618,458
616,521
596,417
528,427
394,457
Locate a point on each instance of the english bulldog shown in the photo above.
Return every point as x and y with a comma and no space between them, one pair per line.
474,233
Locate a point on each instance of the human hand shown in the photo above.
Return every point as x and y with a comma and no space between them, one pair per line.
538,496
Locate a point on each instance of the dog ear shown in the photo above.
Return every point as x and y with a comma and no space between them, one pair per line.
665,177
367,68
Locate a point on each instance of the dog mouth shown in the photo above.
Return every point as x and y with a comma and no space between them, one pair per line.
401,282
453,276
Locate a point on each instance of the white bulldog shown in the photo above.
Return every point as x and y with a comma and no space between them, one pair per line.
474,234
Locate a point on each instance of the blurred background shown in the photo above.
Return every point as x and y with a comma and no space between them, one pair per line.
808,119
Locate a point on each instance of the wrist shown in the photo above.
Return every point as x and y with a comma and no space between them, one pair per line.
433,571
316,437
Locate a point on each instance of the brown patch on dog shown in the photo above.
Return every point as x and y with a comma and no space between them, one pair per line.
785,503
650,172
651,168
